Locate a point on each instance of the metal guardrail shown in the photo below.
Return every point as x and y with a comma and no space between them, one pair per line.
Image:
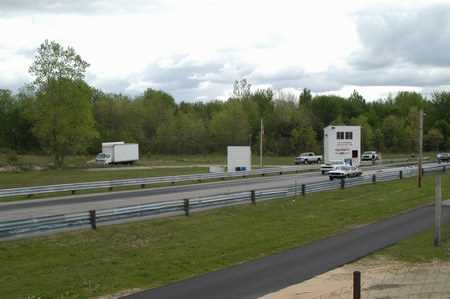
28,191
49,223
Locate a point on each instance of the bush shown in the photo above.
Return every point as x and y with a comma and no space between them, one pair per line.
12,158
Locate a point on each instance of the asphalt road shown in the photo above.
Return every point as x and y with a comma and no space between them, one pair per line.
108,200
257,278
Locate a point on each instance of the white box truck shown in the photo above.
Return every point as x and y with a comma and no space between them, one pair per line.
342,143
118,152
239,158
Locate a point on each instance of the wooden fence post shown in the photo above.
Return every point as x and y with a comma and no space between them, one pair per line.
437,210
374,178
356,285
303,189
342,183
253,196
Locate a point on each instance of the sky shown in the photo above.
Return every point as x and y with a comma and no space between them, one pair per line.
196,49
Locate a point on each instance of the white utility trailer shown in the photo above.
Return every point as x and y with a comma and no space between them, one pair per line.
342,143
239,158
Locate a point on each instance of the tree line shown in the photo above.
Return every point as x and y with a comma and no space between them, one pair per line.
60,114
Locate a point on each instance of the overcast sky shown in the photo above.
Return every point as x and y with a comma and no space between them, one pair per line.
196,49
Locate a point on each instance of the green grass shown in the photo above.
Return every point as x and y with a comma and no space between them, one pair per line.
152,253
420,248
53,176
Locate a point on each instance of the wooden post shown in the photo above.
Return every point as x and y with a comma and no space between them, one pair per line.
400,174
253,196
437,210
93,219
303,189
186,207
342,183
356,285
374,178
419,162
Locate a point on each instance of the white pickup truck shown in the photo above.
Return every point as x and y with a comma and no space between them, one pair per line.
308,158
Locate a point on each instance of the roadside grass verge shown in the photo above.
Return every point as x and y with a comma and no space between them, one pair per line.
54,176
152,253
420,248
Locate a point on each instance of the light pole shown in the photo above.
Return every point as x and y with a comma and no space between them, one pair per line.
261,145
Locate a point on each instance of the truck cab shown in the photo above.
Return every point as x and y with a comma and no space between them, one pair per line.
103,158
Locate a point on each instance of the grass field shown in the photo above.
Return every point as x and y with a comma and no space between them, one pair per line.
152,253
28,161
420,248
53,176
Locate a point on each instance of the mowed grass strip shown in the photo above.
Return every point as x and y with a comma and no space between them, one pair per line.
152,253
420,248
63,176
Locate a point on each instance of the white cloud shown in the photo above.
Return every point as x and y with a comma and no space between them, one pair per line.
196,49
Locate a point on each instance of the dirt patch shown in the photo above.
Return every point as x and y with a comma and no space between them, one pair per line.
120,294
9,168
381,278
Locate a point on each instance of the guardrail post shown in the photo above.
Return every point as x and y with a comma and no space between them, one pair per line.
73,192
281,172
356,285
374,178
253,196
142,186
93,219
444,168
400,174
303,189
342,183
186,207
110,188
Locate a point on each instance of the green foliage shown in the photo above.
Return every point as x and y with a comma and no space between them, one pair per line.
162,126
63,121
62,112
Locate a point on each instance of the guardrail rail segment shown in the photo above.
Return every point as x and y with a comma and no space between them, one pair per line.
55,222
28,191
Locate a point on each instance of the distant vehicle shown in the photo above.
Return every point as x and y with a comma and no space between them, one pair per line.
118,152
325,168
369,156
443,157
308,158
344,171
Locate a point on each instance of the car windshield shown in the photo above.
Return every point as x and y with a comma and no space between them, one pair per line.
345,168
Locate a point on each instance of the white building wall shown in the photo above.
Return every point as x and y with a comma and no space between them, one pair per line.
342,143
239,157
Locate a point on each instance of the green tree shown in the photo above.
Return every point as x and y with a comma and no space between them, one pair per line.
305,97
433,139
62,112
230,126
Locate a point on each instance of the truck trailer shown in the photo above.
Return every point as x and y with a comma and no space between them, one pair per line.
342,143
118,153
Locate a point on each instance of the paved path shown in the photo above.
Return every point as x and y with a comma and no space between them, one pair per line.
257,278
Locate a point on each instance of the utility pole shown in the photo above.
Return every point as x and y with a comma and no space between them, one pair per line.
261,145
419,164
